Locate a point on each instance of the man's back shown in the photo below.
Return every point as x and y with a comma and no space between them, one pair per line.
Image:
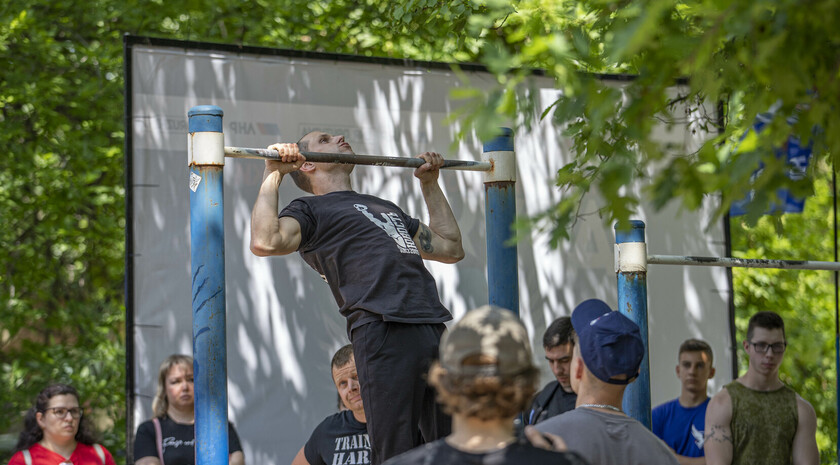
608,439
441,453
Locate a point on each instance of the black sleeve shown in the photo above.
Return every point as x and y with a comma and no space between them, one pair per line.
300,211
233,440
144,442
310,449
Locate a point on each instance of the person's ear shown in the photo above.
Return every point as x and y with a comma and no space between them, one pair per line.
746,346
712,373
578,370
39,418
307,166
678,370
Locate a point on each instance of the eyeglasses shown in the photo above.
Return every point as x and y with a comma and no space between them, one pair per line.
777,348
61,412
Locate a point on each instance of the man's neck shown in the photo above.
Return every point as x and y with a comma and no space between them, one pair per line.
690,399
477,436
759,382
359,415
611,397
335,184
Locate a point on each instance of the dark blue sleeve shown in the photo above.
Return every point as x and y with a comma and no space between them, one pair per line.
310,449
300,211
233,440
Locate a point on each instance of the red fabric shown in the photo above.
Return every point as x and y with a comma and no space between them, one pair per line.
83,455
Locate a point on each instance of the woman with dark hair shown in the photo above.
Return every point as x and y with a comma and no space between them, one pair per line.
169,437
56,432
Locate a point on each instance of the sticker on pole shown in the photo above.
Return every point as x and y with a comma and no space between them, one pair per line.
195,180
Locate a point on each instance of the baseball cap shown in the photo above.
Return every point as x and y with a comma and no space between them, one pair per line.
490,331
610,343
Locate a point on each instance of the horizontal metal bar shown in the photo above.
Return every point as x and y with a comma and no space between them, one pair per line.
729,262
356,159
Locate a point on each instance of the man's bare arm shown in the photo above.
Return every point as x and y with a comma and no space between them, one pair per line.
441,239
683,460
717,444
271,235
805,451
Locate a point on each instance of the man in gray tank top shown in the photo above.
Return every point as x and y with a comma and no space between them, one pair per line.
607,354
756,418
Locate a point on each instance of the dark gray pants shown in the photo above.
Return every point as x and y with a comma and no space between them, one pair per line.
392,360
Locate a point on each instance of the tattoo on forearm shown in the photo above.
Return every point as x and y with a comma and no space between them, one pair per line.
425,237
719,434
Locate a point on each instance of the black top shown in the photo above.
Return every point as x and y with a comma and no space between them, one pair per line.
362,246
550,402
522,452
340,438
178,441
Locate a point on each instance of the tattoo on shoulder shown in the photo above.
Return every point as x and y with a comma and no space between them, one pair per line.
719,433
425,237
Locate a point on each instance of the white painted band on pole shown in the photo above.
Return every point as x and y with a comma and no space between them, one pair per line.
631,257
206,148
504,166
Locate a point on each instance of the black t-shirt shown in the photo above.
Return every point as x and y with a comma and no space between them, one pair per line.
339,439
521,452
550,402
178,441
362,246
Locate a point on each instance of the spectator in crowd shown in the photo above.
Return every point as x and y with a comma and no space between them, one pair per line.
680,422
342,437
169,437
557,396
484,379
56,432
757,418
606,358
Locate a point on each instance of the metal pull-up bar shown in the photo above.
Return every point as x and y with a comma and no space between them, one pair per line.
730,262
356,159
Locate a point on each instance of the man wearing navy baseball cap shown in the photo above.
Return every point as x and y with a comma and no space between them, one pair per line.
607,355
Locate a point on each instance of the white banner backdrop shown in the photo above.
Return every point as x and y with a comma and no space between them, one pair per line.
282,323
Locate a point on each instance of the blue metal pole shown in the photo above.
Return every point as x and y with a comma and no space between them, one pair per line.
631,269
500,212
207,253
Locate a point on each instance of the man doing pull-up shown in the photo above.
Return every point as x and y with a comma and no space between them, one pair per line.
371,254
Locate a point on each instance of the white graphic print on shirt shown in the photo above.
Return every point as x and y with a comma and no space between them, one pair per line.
698,436
394,227
352,450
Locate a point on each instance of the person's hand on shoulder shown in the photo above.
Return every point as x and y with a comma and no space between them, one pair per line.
545,440
428,172
290,158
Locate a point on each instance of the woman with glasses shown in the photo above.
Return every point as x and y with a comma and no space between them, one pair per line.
56,432
169,437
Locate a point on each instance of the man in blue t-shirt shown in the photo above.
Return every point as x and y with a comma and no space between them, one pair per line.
680,422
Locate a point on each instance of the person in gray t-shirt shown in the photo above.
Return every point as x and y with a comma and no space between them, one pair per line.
607,353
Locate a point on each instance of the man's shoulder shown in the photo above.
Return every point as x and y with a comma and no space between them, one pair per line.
421,455
558,422
666,407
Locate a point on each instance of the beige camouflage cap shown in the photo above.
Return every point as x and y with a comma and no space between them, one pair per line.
490,331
